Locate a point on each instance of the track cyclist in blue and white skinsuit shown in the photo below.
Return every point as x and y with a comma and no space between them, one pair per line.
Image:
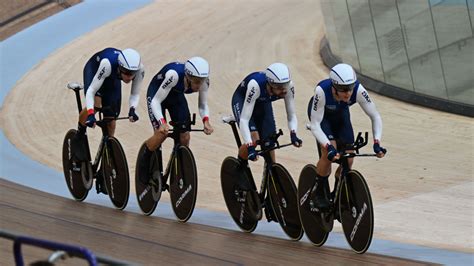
328,111
166,92
253,111
103,74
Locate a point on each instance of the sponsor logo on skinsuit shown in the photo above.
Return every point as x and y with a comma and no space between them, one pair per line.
101,73
366,96
315,102
251,94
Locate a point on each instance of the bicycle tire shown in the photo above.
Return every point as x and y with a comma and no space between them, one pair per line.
356,212
311,221
73,174
148,196
283,198
183,184
231,172
115,173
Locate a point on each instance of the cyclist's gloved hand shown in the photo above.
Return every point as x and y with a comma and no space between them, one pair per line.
295,140
132,116
380,151
90,122
332,152
252,154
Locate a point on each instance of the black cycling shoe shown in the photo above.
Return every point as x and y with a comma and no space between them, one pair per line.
321,202
99,184
320,196
78,146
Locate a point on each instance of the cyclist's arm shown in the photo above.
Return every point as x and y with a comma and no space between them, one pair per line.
136,84
290,109
170,80
317,114
104,70
202,101
251,96
369,108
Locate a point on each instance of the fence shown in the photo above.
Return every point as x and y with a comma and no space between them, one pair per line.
423,49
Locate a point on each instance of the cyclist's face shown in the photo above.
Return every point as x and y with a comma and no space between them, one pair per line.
127,77
279,90
344,96
195,83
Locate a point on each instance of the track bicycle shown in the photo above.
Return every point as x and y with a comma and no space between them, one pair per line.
180,170
277,195
350,202
109,168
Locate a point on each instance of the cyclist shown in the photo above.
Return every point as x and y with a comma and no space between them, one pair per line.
328,111
166,92
252,108
102,75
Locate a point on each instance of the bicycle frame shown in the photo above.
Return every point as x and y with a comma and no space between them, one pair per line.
102,123
175,135
344,162
267,169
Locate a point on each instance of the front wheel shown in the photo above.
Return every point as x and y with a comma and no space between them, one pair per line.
356,211
283,198
115,173
183,183
75,173
243,203
311,220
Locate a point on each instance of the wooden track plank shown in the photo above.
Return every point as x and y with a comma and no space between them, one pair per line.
149,240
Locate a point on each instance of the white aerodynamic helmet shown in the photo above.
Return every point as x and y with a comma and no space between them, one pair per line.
343,77
197,67
129,61
278,73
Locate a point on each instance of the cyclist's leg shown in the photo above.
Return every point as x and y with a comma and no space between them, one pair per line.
323,166
111,93
107,99
346,135
266,124
179,112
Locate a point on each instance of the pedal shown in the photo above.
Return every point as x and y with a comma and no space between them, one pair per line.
99,185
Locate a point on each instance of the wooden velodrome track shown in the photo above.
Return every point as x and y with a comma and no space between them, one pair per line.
132,237
423,186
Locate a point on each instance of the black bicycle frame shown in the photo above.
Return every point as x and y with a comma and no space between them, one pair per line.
103,124
344,162
175,134
265,153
